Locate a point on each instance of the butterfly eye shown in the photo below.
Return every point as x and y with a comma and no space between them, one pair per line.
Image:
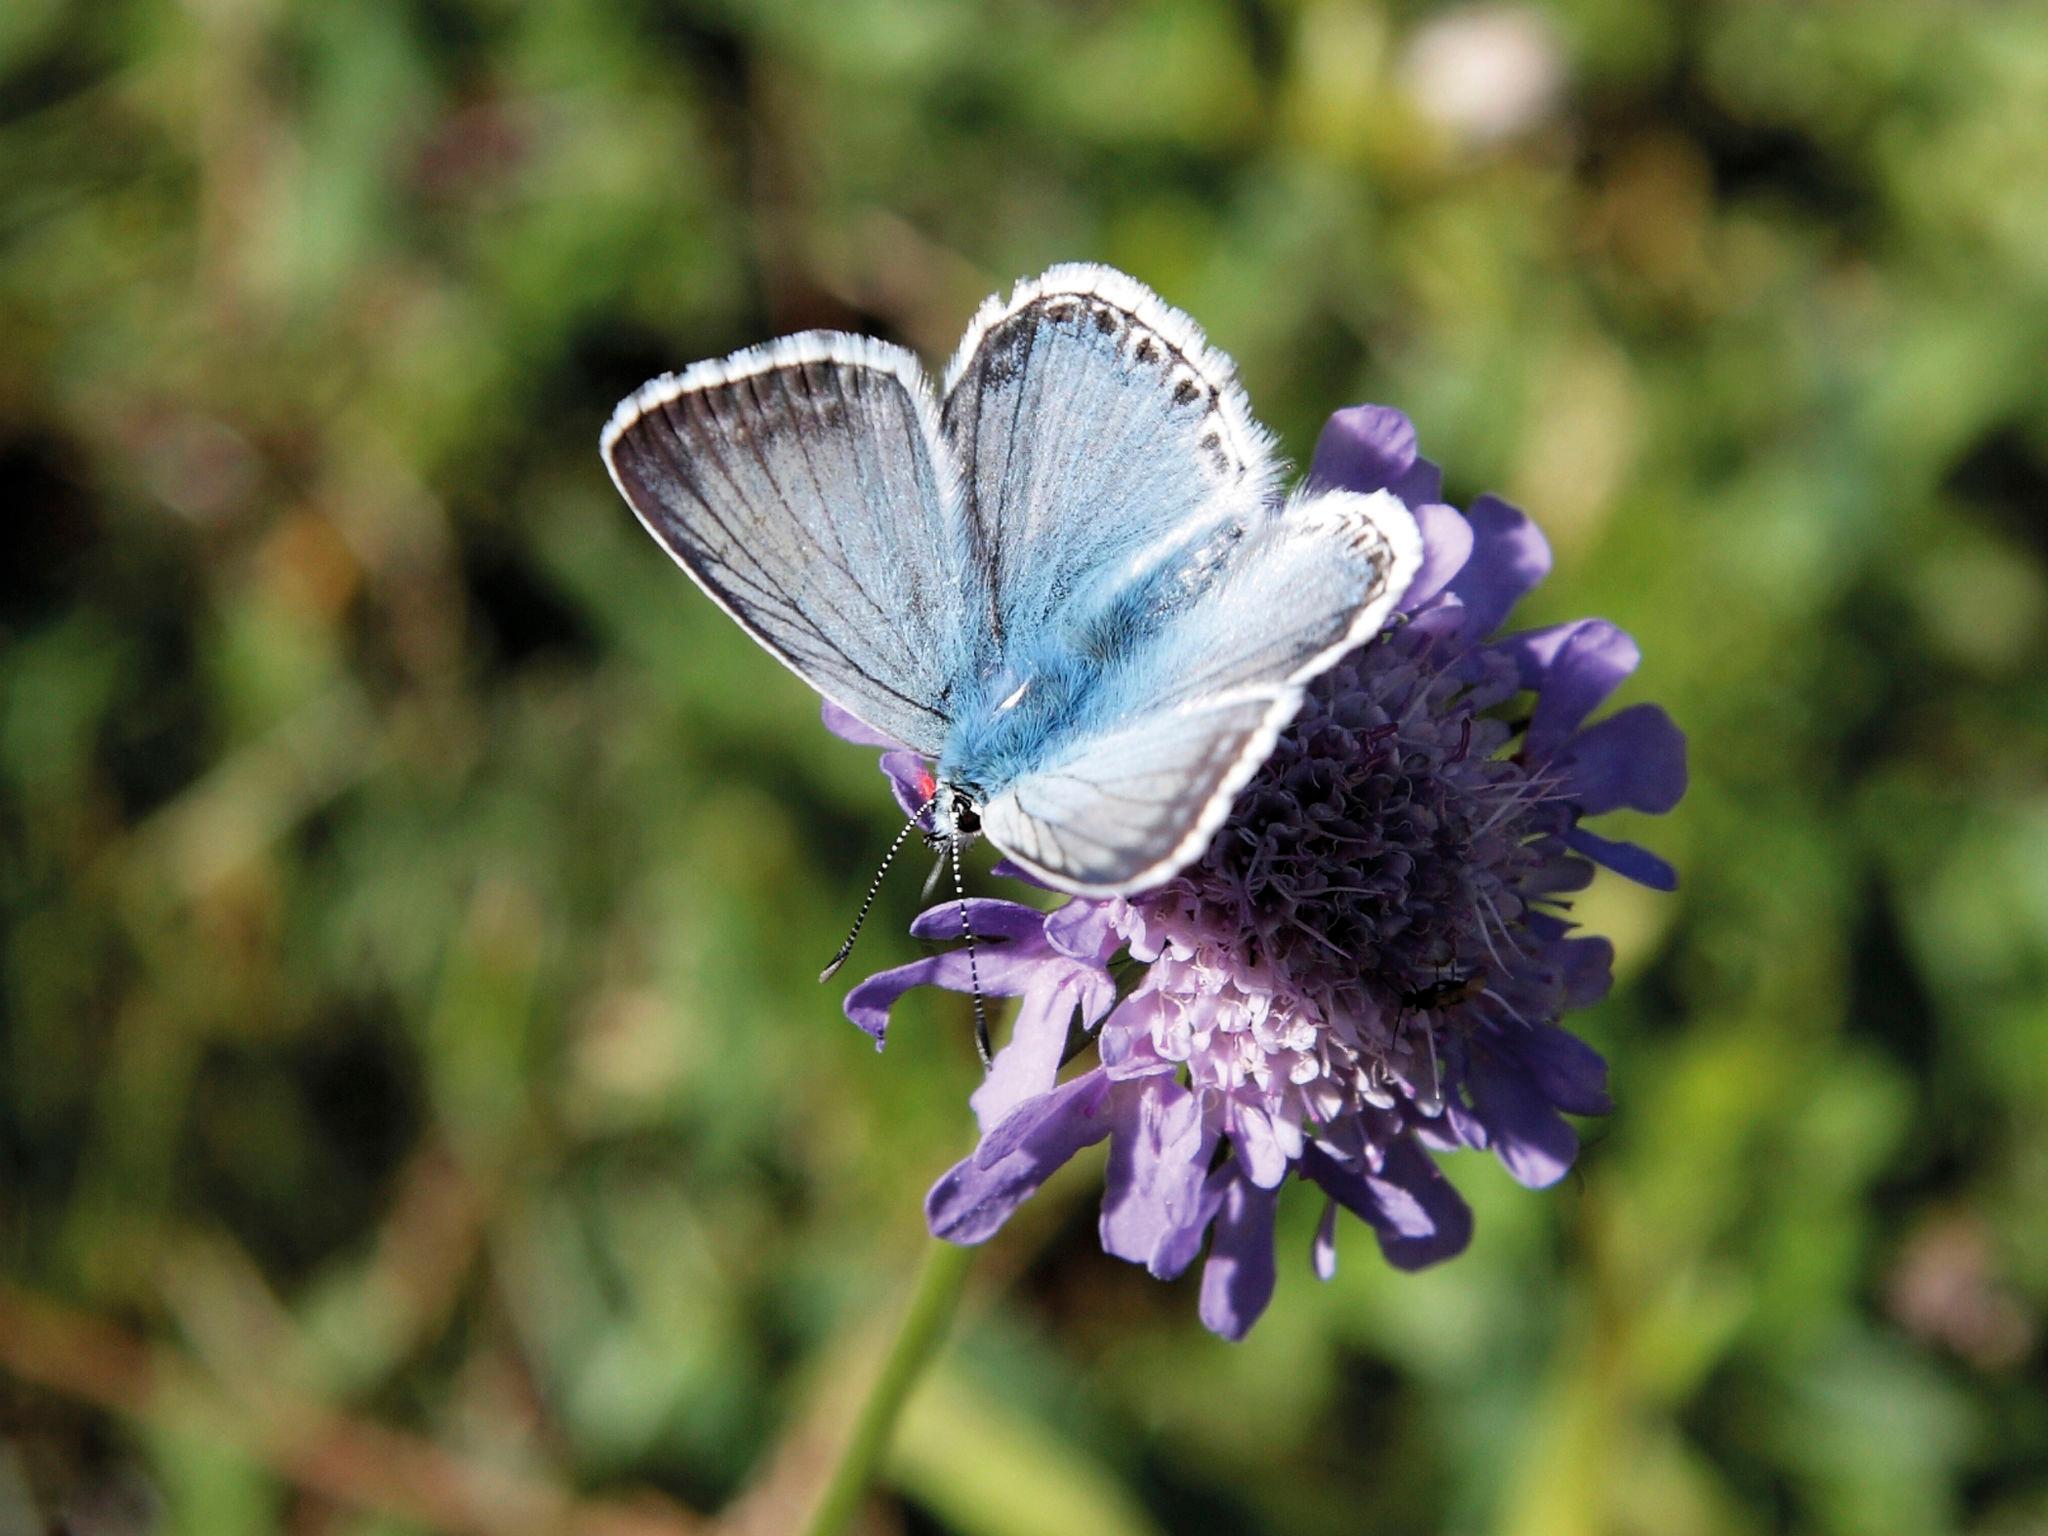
966,820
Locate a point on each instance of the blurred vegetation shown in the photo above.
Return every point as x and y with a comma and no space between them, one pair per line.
417,1110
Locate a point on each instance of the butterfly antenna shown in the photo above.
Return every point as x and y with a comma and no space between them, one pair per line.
973,970
868,902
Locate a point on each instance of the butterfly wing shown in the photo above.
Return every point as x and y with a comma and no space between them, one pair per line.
805,487
1135,790
1091,422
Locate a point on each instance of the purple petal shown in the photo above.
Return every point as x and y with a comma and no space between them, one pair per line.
1084,929
1410,1170
1531,1139
975,1197
1152,1188
1363,448
1446,545
1466,1129
1128,1046
1443,619
910,780
1421,485
868,1004
1237,1282
1633,758
992,919
1179,1247
1003,969
1638,864
1509,557
1573,668
848,726
1380,1203
1588,969
1029,1064
1258,1148
1562,1067
1557,873
1416,1215
1323,1255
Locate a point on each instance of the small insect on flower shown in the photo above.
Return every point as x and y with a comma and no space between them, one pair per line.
1444,992
1069,583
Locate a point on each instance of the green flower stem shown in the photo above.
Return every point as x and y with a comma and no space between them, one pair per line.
923,1329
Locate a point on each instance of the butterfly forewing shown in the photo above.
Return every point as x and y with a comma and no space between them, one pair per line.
1090,421
803,485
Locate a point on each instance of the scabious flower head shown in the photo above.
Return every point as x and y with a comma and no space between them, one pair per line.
1369,961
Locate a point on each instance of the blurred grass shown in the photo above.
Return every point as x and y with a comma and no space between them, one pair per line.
412,890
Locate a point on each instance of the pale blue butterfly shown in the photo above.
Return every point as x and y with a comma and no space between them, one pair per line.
1071,584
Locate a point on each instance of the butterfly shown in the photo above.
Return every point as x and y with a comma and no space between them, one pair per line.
1068,580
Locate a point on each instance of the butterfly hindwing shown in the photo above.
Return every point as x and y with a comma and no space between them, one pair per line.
804,486
1135,788
1122,803
1295,594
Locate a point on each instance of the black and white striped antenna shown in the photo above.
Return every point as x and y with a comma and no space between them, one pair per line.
874,886
973,970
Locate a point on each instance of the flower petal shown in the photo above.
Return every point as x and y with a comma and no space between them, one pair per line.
848,726
1084,929
1029,1063
1409,1169
1530,1138
1509,557
1006,968
869,1002
1638,864
1573,668
1323,1254
992,919
1560,1066
1588,969
1180,1247
910,780
1004,869
1446,545
1633,758
1138,1040
1411,1207
1257,1145
1152,1188
975,1197
1363,448
1237,1282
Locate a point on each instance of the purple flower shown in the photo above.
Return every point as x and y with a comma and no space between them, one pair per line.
1369,962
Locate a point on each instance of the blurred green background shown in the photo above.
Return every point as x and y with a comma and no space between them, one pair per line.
417,1108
